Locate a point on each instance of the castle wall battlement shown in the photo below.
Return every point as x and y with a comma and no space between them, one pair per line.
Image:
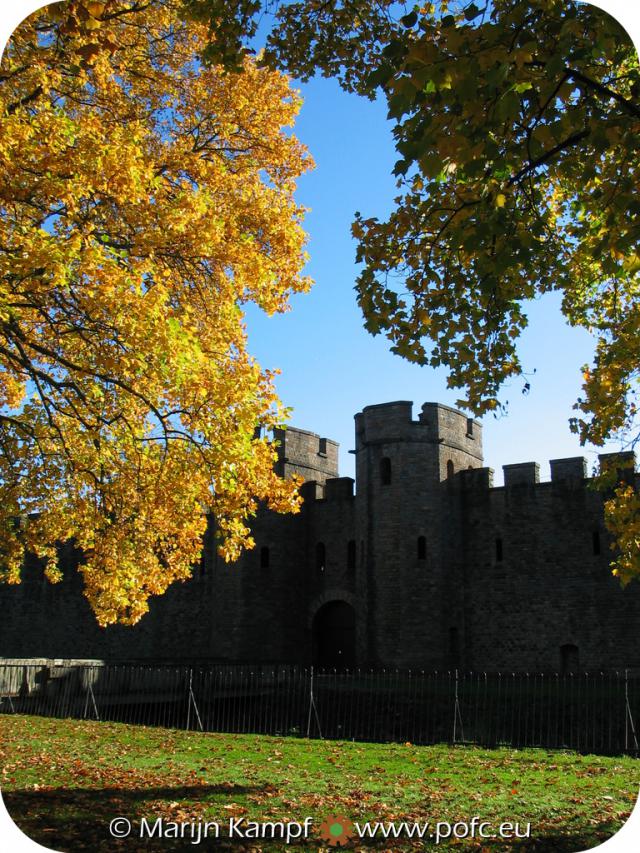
306,453
436,423
476,478
339,489
333,489
429,563
388,422
570,469
450,441
452,428
520,473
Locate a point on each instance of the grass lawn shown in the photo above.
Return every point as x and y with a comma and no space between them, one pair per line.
64,780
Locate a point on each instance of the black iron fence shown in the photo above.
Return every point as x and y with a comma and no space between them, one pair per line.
586,712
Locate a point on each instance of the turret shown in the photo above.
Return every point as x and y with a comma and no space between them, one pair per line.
307,454
407,518
459,438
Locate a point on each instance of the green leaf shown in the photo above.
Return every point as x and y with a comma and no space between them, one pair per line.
409,20
471,12
380,76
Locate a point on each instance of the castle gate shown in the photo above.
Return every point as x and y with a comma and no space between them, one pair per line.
334,635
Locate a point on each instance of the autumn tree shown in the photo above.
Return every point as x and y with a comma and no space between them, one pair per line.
343,39
517,126
144,199
518,130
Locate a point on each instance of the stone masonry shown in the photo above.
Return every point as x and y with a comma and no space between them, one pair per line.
425,565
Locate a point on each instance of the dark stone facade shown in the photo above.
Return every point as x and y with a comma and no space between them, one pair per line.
427,565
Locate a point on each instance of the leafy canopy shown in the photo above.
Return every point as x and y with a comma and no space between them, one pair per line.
518,134
517,126
144,199
518,129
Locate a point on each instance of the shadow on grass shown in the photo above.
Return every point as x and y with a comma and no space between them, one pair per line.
570,843
77,819
25,801
69,819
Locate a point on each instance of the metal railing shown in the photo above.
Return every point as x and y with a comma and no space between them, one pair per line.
587,712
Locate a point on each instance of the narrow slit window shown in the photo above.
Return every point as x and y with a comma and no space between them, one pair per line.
264,557
499,550
422,547
450,469
595,541
351,554
385,471
321,557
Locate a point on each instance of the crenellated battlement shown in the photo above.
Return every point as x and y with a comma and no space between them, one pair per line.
306,453
569,469
339,489
450,440
452,428
520,473
624,463
385,422
476,478
449,436
334,489
392,422
427,565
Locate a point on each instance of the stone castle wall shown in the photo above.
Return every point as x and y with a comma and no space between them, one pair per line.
438,568
538,578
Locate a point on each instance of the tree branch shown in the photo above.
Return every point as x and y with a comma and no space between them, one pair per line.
569,142
24,101
604,90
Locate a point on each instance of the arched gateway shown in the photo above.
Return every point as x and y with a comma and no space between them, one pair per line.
334,635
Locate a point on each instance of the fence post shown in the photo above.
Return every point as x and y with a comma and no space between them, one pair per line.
89,694
628,717
93,699
456,711
192,699
310,703
313,708
8,696
189,704
626,713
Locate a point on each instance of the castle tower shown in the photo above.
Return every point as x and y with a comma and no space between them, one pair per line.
307,454
408,528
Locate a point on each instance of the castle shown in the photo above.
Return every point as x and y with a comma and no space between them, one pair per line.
427,565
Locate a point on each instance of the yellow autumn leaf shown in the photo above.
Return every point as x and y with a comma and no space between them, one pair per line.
145,197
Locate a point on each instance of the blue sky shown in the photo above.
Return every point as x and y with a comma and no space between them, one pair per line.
331,367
